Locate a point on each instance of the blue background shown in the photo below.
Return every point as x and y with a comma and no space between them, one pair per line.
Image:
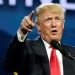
10,19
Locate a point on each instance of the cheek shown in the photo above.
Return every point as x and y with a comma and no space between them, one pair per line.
60,29
60,25
45,29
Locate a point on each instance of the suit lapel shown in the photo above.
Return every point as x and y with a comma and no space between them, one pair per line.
67,66
39,48
40,51
67,63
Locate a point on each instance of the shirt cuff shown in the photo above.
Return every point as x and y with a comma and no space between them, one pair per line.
21,38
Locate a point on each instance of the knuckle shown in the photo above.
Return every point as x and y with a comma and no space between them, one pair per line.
26,17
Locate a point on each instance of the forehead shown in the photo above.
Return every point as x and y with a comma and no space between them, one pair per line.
51,14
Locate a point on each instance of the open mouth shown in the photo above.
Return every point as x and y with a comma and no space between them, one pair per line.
54,32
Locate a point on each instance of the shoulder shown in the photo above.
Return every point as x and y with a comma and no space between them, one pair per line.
68,46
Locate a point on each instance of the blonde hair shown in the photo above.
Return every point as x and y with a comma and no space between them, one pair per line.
49,6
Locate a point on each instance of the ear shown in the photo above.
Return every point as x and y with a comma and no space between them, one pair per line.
63,24
38,27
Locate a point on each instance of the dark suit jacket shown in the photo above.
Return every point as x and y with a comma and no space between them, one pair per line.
30,58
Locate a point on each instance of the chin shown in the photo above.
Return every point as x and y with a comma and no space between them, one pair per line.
55,39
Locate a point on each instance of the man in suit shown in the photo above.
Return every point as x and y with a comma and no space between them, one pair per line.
32,57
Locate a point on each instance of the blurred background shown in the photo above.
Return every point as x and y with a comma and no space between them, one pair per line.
13,11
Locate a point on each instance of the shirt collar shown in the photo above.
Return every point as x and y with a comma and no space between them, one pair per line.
45,43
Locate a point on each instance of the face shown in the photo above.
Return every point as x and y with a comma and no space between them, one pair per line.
51,26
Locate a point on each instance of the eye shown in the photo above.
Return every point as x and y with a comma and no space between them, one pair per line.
48,20
57,18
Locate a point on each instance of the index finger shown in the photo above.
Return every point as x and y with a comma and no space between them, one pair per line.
31,15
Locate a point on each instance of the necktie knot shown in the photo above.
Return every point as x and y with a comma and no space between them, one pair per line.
50,46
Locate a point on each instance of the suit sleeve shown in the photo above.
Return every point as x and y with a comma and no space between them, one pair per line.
14,55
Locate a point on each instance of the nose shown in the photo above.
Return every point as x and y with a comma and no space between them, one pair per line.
53,23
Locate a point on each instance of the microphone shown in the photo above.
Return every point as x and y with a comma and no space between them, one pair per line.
57,46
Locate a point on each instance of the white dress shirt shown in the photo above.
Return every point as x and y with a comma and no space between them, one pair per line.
48,49
59,55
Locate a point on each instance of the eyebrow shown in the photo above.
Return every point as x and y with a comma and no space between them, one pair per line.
51,17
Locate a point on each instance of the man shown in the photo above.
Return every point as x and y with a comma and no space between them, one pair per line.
33,57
